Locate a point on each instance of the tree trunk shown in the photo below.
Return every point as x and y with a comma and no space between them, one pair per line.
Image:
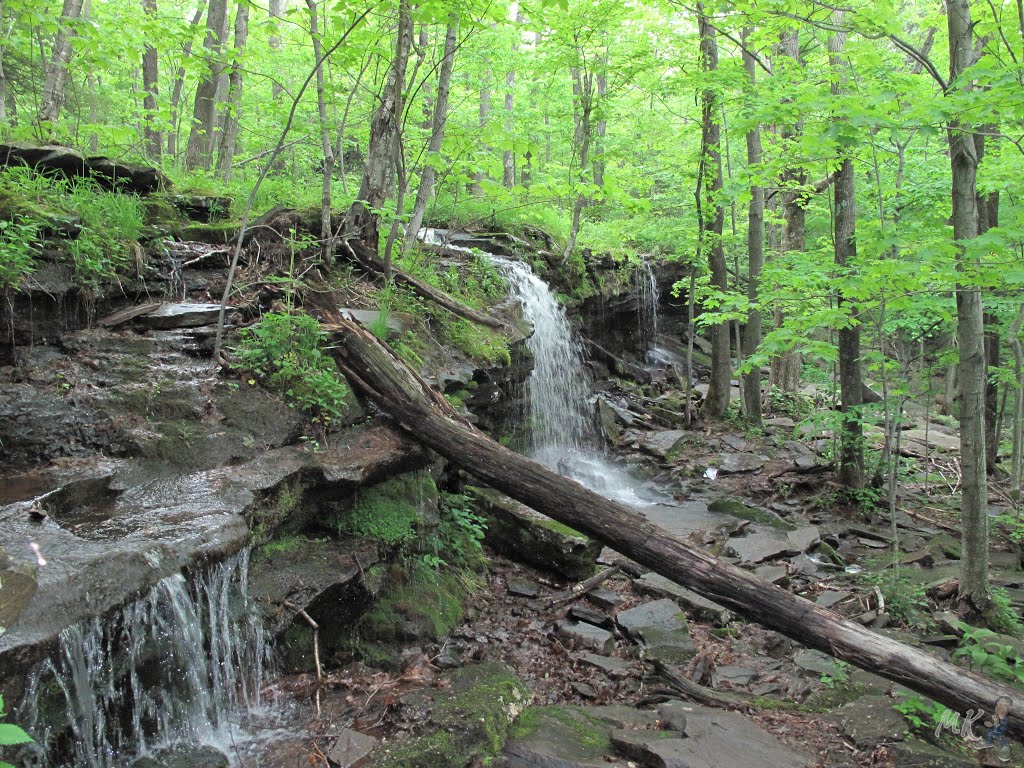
232,109
363,219
57,70
508,158
710,237
851,448
199,151
974,589
755,258
438,122
151,85
988,217
583,102
276,12
326,244
476,185
1018,407
378,372
784,368
601,128
179,81
3,76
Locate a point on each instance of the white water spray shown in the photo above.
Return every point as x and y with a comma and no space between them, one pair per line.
182,665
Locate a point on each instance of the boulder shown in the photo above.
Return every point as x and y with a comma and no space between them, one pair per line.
701,608
55,160
871,720
518,532
351,748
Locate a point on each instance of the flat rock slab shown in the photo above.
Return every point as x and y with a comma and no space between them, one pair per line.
871,720
523,588
611,666
803,538
324,578
949,443
738,463
661,444
758,547
55,160
719,739
560,737
351,748
702,608
773,574
651,622
586,636
169,316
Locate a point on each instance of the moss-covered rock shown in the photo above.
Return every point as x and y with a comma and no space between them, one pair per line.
466,722
524,535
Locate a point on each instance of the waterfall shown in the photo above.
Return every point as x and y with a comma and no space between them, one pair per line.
647,304
563,433
181,665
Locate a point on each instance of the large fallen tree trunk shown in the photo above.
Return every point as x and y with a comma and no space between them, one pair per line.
369,261
382,376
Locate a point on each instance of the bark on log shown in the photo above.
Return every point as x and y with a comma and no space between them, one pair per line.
382,376
369,261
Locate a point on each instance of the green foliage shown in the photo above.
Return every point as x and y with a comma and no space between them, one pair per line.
10,734
390,511
285,352
905,599
461,532
985,652
922,715
838,679
1004,616
18,245
109,226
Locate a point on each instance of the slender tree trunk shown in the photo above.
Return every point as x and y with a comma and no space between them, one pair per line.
326,244
3,75
988,217
851,451
508,158
717,401
476,187
438,122
233,107
179,82
57,70
601,127
1018,407
151,85
276,12
755,258
363,219
974,589
784,369
199,151
583,92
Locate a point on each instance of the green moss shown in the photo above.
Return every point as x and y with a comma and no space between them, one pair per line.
558,527
471,719
390,511
218,233
420,603
586,730
287,544
273,510
736,508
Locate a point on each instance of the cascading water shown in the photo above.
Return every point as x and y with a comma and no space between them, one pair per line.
647,304
181,665
564,436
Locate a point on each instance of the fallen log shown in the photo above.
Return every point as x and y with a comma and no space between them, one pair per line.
369,261
375,370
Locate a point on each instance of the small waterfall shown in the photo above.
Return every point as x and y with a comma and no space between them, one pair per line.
564,436
647,304
181,665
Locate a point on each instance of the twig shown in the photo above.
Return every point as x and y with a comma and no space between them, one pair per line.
578,590
205,256
316,635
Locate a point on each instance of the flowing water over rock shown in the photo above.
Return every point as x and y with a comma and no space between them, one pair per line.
184,665
647,304
564,436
